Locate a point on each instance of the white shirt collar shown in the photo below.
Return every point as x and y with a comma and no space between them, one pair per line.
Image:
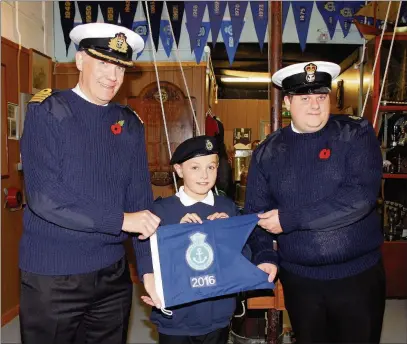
188,201
294,129
79,92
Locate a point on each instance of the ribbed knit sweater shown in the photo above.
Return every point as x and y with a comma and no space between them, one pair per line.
324,185
80,178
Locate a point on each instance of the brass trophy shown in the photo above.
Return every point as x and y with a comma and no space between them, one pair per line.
241,163
396,221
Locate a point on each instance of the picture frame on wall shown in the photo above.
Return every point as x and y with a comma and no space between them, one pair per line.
13,119
40,71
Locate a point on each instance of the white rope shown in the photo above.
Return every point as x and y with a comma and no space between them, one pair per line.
376,59
387,67
182,71
159,90
44,23
184,79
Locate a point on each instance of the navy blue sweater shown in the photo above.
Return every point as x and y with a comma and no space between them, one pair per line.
80,178
325,186
205,316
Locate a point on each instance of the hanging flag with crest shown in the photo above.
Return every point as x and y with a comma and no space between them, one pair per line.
230,43
155,9
216,10
141,28
110,11
237,10
330,13
346,13
89,11
176,11
166,36
127,10
201,40
260,19
67,12
194,11
193,262
302,16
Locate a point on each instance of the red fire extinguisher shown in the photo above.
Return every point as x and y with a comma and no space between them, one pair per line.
14,199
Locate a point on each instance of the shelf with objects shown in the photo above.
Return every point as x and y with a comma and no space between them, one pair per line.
389,117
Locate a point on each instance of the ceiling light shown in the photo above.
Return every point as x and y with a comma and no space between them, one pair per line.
242,80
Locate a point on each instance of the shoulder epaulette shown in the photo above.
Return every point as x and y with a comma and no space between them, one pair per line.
128,108
350,119
269,137
40,96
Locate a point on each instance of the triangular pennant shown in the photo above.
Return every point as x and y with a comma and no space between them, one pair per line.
201,41
216,10
346,13
176,11
127,11
67,12
155,9
302,16
194,11
286,8
237,10
330,12
260,19
230,43
141,28
166,36
110,11
89,11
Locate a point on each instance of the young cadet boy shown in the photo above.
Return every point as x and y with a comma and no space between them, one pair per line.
205,322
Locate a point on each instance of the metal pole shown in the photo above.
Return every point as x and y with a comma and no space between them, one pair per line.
275,63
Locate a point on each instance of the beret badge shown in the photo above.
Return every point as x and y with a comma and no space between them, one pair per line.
208,145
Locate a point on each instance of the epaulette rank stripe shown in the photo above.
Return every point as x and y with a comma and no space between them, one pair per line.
41,96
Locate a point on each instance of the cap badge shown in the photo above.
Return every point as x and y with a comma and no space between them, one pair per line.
310,69
118,43
208,145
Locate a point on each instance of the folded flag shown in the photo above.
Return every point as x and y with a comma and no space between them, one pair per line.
194,262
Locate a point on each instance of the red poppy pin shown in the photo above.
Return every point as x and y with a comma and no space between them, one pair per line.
324,154
117,127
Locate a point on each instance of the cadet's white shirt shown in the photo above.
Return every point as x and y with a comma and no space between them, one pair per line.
188,201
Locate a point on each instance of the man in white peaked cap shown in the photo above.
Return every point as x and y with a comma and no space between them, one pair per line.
317,181
88,189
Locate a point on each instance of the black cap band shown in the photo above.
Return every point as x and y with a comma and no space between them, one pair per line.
298,84
102,45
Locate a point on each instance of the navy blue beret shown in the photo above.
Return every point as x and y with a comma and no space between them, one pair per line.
193,147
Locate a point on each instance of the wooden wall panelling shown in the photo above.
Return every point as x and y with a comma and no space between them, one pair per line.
241,113
11,222
4,124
